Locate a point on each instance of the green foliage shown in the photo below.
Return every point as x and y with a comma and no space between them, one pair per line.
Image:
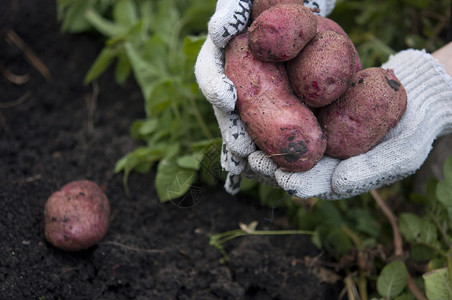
392,279
345,227
157,42
437,284
380,28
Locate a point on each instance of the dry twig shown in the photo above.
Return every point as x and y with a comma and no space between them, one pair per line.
14,38
91,104
398,248
15,102
14,78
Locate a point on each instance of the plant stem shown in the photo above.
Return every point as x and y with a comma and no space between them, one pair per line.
362,282
350,287
398,247
217,240
353,236
362,285
441,229
415,289
449,266
200,120
280,232
221,238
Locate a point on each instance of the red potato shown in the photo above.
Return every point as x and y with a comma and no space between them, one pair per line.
356,122
77,216
260,5
280,32
279,124
322,71
324,24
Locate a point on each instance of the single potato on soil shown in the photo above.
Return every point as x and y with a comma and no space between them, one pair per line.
77,216
279,124
372,105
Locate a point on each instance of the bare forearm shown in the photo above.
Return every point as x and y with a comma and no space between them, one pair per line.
444,56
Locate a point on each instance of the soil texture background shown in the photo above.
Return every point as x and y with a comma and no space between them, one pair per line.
53,130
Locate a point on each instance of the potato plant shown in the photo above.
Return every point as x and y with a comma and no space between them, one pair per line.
156,43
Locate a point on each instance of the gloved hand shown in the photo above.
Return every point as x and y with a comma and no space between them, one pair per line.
230,18
401,153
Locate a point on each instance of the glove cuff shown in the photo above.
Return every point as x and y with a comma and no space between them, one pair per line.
425,78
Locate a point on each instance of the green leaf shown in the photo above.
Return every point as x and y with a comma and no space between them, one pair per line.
197,14
392,279
165,18
160,97
325,213
410,226
422,252
192,46
102,62
139,157
444,193
74,20
337,243
124,12
444,187
191,161
437,285
420,232
123,68
141,129
172,181
103,25
144,72
316,238
436,263
405,296
211,171
447,169
365,221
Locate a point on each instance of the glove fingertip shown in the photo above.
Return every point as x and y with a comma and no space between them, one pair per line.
230,18
232,184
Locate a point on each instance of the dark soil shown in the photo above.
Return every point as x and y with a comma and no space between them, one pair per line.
56,130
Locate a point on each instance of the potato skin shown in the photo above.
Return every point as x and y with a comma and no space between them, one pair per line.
324,24
279,124
374,103
77,216
260,5
280,32
322,71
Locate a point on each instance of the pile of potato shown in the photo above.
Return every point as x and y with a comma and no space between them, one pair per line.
301,90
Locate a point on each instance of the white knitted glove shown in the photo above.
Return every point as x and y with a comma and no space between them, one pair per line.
402,151
230,18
